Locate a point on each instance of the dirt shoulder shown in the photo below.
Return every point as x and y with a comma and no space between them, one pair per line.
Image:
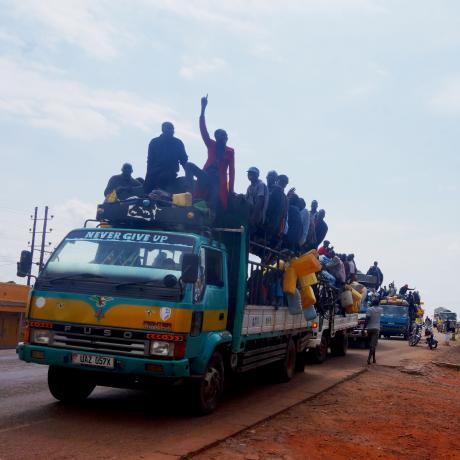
410,412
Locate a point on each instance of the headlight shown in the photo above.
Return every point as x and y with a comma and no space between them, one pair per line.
41,336
161,348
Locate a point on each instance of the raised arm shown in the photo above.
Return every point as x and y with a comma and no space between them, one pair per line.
231,173
203,129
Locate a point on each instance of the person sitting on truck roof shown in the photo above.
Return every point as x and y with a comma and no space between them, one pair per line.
351,267
294,227
220,165
404,289
311,235
276,209
375,271
165,154
123,184
305,218
346,266
321,227
391,289
257,197
283,182
325,249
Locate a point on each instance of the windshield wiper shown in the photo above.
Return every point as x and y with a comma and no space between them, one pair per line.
74,276
137,283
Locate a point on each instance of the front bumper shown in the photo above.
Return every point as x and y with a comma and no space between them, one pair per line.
393,330
123,364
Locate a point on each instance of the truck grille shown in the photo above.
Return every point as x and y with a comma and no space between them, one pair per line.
102,344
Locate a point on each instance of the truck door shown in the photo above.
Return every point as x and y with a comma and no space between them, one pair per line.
211,289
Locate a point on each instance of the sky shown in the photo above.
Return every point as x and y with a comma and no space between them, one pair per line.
357,101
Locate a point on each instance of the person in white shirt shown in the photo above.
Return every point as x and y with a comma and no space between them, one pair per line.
372,324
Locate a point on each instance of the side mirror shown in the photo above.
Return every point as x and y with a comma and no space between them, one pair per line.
24,266
190,265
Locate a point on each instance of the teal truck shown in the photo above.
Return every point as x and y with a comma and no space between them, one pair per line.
151,293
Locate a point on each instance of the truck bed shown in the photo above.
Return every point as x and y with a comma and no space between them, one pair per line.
345,322
261,319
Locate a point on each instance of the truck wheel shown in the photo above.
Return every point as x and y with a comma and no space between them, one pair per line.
339,345
69,385
284,370
205,393
319,354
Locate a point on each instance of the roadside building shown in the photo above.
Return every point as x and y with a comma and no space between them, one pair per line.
13,302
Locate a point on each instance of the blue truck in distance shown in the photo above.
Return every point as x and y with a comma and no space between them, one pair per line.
395,320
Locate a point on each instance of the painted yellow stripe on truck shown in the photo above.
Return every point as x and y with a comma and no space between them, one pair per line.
121,315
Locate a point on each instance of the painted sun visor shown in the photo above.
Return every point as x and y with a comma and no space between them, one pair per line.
109,311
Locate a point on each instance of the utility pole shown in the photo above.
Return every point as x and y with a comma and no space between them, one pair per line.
33,241
32,244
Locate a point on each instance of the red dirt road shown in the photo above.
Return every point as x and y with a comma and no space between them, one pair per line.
385,413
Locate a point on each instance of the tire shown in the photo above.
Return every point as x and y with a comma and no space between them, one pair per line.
319,354
69,385
339,345
285,369
205,393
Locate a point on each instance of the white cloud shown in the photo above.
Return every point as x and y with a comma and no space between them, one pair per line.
447,98
195,68
82,23
372,77
11,39
265,51
42,97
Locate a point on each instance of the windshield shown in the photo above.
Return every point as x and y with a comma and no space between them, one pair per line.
122,256
394,310
448,316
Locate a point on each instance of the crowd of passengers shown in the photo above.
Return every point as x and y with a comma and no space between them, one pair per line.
278,217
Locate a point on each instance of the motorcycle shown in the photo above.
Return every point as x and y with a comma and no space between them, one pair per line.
430,338
415,335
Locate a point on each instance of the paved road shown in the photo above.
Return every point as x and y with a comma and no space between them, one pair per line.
123,424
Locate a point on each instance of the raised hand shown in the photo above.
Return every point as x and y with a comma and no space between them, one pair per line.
204,102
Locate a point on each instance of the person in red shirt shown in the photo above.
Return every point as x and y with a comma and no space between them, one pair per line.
324,249
219,167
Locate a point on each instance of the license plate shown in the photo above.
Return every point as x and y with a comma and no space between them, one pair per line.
93,360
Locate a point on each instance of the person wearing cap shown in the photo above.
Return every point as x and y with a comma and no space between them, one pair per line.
123,184
257,197
324,249
220,165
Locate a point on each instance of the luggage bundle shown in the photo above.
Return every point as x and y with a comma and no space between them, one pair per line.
300,272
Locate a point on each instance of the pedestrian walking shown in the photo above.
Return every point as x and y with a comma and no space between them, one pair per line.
372,324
